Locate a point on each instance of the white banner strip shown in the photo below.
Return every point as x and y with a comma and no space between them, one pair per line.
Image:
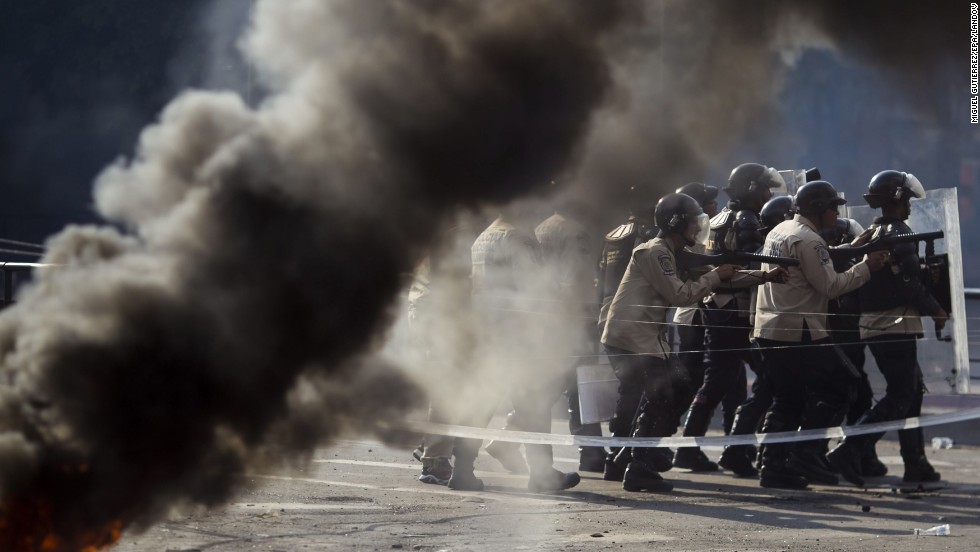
527,437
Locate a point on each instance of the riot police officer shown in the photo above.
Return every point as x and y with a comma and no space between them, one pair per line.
503,256
890,323
791,329
567,252
617,249
843,324
636,329
739,458
736,228
688,320
635,332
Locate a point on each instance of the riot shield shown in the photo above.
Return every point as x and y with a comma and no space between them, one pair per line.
944,359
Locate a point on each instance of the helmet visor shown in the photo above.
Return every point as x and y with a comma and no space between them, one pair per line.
703,228
914,186
772,179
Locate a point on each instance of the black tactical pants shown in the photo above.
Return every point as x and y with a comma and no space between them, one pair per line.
896,358
809,389
727,343
753,410
691,353
647,380
630,375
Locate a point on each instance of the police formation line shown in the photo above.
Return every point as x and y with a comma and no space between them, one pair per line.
754,284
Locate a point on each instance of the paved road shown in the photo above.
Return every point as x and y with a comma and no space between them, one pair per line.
360,495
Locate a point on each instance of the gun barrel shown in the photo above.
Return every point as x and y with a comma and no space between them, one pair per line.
781,261
687,259
885,242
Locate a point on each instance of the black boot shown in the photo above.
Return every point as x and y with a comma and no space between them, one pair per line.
592,459
920,471
846,460
846,457
463,479
649,424
692,458
552,480
642,474
613,471
736,460
917,467
806,462
775,474
871,466
696,426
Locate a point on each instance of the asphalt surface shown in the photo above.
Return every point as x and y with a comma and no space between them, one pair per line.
361,495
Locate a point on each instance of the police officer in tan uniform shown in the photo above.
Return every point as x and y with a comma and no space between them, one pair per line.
505,261
791,329
568,255
726,313
891,310
635,335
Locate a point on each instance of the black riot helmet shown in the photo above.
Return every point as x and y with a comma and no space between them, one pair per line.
777,210
702,193
813,198
753,181
893,187
674,212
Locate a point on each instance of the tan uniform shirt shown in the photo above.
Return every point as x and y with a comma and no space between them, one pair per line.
899,320
505,260
638,314
685,315
566,250
781,309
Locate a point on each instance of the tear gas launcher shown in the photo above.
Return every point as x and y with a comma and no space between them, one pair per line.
883,243
687,260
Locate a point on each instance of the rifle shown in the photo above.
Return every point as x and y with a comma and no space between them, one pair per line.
687,260
883,243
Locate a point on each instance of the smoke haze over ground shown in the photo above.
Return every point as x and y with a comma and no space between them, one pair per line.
262,250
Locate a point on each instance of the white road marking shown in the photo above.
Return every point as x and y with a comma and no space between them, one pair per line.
428,489
276,506
416,467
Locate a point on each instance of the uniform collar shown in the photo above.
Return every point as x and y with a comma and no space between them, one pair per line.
805,222
668,243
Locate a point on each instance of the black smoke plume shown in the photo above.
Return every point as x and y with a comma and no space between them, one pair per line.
264,249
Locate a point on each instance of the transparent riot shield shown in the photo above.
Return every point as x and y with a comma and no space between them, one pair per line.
793,178
944,359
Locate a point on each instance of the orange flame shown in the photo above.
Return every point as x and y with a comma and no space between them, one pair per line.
28,525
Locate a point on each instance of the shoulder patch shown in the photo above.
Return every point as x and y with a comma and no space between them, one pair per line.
822,253
722,219
666,264
623,232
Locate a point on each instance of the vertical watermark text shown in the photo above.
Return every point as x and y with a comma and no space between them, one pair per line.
974,85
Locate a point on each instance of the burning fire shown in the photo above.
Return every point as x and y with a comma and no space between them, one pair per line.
28,525
32,524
